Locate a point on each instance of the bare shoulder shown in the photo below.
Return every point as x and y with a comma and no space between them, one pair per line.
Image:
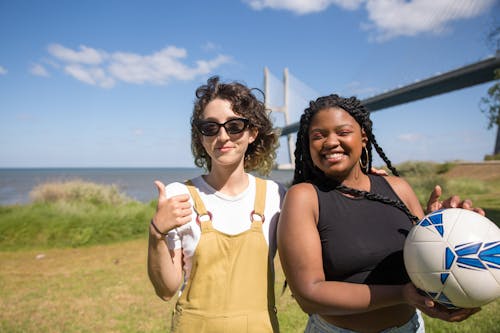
301,195
301,190
301,204
405,192
399,185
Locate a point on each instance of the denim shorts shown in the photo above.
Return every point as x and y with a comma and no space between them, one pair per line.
316,324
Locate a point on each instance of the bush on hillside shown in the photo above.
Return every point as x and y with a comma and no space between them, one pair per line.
415,168
422,176
72,214
495,157
74,191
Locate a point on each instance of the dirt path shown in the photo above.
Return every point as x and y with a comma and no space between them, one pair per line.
483,171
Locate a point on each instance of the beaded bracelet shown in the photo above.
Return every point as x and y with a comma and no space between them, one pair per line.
157,230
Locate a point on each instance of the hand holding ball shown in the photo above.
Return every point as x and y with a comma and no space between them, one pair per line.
453,255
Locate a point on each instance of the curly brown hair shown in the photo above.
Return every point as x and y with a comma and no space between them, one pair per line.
261,153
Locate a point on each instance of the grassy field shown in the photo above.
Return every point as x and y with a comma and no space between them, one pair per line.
101,288
78,264
105,288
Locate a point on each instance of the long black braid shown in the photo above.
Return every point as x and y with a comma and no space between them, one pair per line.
305,171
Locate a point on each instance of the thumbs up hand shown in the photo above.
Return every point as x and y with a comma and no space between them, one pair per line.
171,212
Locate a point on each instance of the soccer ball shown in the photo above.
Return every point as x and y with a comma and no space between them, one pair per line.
453,255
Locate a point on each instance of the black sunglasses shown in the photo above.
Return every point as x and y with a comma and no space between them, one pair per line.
232,126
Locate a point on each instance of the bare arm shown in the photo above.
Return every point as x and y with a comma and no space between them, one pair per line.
164,265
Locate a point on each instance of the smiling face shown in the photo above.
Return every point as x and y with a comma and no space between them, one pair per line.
335,143
223,148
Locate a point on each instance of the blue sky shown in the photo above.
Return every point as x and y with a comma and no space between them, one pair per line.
110,83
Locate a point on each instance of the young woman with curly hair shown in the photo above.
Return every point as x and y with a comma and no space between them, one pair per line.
214,237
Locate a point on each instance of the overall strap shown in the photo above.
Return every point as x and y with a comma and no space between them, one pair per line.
259,204
199,206
260,198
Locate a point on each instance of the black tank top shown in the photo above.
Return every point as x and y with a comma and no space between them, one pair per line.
362,240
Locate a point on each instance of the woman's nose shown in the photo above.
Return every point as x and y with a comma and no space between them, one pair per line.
331,141
223,135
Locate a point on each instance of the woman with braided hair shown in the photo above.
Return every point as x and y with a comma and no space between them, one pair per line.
341,231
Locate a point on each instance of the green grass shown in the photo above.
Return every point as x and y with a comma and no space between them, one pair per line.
105,288
74,260
72,214
102,288
423,176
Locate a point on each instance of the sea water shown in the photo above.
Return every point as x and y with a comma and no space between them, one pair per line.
137,183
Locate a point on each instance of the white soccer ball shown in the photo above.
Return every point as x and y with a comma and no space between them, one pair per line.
453,255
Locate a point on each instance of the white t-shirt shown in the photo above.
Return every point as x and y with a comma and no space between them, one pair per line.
230,215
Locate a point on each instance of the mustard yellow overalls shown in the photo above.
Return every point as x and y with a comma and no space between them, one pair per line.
231,287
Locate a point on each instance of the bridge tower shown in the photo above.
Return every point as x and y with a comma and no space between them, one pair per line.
283,109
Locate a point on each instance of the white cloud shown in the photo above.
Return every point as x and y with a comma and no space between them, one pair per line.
104,69
160,67
3,71
39,70
411,137
86,55
90,75
355,88
302,7
391,18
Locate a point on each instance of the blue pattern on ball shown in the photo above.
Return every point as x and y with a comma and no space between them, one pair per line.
435,219
491,255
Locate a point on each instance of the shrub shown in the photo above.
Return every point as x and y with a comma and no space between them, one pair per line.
414,168
78,191
72,214
422,176
444,168
495,157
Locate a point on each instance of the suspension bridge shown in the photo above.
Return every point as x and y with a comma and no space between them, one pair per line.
460,78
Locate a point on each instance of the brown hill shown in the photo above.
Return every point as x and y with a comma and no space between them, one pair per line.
488,170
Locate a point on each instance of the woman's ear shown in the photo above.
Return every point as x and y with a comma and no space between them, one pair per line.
364,137
253,133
